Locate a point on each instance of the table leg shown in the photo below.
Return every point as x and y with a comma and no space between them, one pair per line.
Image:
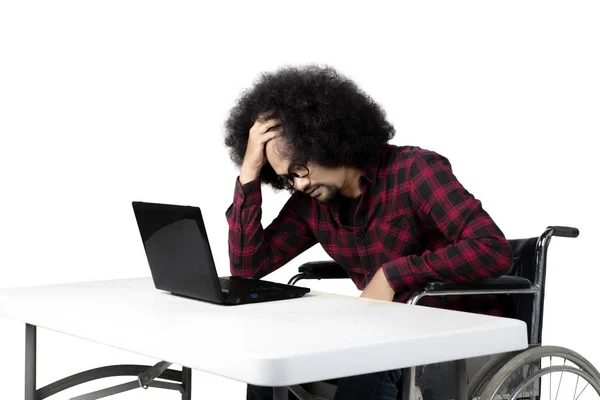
30,362
460,375
280,393
186,381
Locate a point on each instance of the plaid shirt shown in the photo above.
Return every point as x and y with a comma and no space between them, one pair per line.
415,220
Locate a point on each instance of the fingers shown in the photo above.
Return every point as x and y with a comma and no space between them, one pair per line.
260,128
274,126
265,127
274,132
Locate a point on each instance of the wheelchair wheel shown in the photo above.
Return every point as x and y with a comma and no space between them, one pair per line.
484,374
544,373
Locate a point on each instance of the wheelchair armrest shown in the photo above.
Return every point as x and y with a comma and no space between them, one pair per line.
505,282
322,270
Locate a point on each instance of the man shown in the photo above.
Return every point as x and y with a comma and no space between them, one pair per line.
394,217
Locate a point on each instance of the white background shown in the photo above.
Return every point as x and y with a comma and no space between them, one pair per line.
103,103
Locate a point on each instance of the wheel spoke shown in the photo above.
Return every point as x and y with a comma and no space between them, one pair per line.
586,385
560,380
576,384
550,379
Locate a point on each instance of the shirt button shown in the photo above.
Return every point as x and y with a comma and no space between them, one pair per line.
359,238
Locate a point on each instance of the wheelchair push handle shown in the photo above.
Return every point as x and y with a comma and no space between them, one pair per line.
565,231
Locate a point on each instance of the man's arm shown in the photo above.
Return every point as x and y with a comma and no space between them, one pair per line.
478,249
255,252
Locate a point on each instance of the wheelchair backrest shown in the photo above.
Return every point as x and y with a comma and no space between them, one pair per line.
525,265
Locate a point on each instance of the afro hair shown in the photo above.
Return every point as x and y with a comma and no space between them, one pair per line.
327,119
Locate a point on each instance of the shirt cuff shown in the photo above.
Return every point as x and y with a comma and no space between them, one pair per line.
398,274
247,194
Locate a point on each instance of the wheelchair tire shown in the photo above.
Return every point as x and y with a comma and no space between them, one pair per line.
487,372
531,355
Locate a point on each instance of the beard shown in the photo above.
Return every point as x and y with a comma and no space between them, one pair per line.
329,194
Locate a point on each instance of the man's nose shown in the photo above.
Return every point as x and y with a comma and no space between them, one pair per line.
301,183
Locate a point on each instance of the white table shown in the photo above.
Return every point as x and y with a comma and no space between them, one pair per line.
318,337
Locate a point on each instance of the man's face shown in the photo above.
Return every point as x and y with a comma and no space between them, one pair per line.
323,184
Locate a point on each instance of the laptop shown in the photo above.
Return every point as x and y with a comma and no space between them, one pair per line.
181,261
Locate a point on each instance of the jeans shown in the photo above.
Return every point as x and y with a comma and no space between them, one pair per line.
374,386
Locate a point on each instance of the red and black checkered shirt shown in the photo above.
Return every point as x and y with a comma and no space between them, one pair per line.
415,220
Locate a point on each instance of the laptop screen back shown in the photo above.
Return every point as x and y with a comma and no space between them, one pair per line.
178,250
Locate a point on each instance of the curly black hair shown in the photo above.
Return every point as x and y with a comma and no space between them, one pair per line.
326,119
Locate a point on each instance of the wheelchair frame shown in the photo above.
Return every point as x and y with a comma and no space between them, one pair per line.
508,284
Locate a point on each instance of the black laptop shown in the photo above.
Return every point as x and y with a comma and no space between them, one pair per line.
181,261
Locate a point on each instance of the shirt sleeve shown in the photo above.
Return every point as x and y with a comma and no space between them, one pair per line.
255,252
478,249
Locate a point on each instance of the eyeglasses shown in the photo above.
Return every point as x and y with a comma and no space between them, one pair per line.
294,171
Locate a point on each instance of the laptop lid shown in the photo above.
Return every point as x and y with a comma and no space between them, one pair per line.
178,250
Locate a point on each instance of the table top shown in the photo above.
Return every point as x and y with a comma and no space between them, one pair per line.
317,337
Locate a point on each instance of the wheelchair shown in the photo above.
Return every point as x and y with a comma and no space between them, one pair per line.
519,375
